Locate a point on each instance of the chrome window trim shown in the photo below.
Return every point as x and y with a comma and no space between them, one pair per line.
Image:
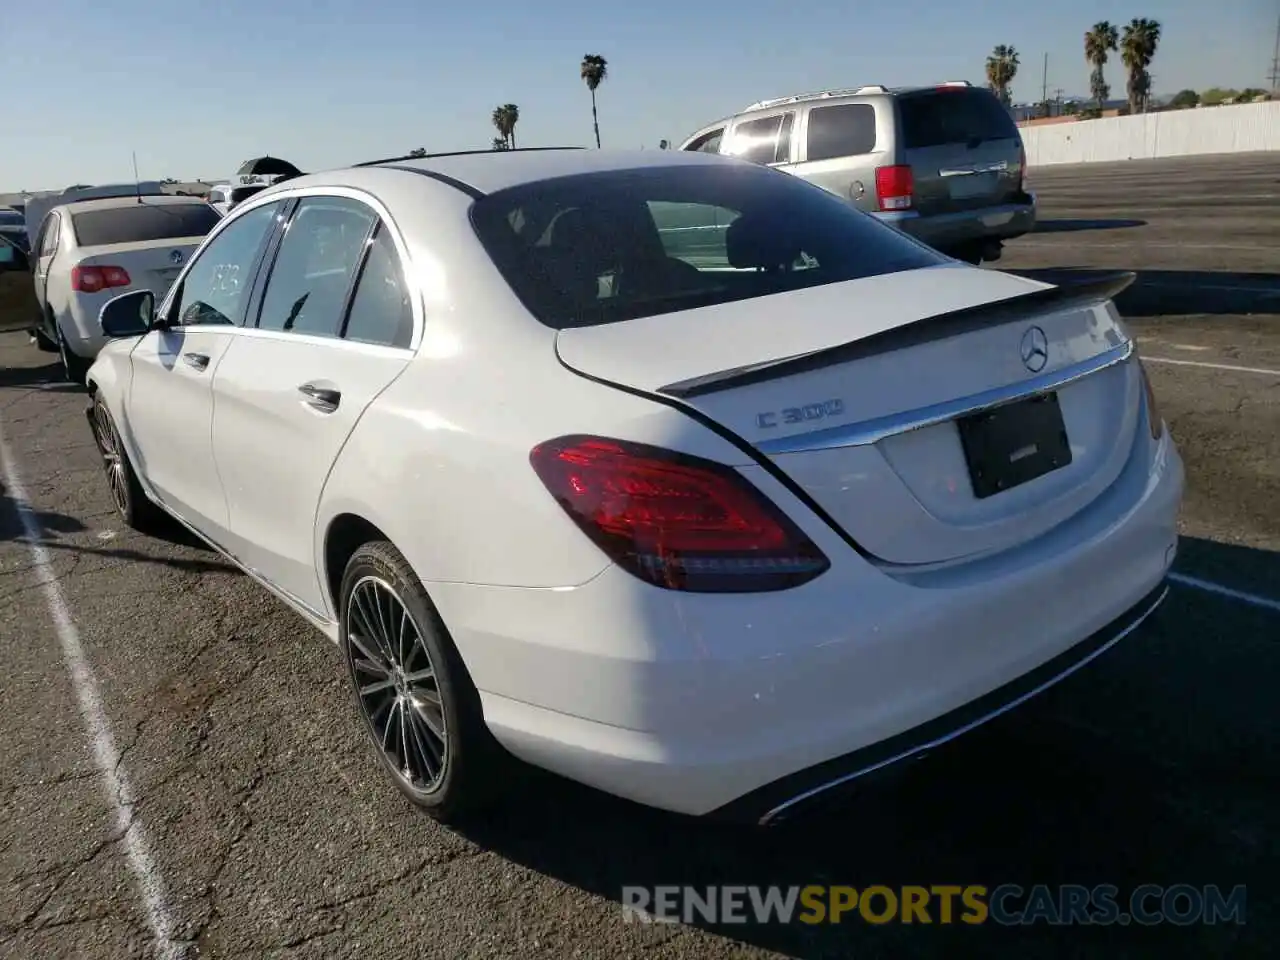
868,432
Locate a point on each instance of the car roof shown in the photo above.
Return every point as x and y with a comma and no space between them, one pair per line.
493,170
114,203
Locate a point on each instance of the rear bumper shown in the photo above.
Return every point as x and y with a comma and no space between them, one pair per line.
783,798
702,704
953,229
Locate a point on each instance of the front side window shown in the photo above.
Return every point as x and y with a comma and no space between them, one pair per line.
318,256
613,246
708,142
216,287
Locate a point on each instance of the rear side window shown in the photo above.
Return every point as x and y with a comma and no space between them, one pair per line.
767,140
960,115
613,246
843,130
380,310
143,222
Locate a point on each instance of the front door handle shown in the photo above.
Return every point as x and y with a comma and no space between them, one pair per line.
198,360
321,398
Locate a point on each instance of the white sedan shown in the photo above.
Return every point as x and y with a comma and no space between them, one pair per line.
667,472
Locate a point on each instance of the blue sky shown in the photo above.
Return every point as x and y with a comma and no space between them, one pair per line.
325,83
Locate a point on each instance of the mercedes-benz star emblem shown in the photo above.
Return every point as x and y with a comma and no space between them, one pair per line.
1035,349
176,256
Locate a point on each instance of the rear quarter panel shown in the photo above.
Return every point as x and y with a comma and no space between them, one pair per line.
440,461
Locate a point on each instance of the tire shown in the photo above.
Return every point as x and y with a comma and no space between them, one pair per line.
131,503
74,367
43,343
445,720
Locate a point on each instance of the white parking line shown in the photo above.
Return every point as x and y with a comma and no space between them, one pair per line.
1212,366
115,782
1210,587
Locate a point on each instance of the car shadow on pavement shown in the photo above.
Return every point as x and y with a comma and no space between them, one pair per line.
1156,765
46,377
1073,226
1157,293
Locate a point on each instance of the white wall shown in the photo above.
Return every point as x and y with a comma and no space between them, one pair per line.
1174,133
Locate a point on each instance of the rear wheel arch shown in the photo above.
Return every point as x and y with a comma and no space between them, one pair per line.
347,533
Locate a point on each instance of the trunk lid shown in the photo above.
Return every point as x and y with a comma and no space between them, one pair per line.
151,265
855,390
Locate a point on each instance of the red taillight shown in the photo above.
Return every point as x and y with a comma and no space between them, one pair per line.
895,187
673,520
93,279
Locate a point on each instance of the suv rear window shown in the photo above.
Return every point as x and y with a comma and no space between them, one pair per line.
143,222
607,247
958,115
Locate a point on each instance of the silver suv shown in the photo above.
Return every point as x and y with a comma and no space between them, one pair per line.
943,163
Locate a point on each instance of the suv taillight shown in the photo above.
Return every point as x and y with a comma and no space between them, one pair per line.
676,521
895,187
1022,166
93,279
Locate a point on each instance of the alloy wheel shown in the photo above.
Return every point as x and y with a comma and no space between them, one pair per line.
396,684
112,457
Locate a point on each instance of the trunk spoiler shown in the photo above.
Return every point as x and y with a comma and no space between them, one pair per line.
1070,295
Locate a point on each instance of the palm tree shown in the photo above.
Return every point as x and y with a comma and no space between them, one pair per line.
505,119
418,152
499,144
1137,49
1097,43
594,70
1002,67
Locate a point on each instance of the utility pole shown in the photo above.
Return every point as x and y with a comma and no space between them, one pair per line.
1275,62
1044,86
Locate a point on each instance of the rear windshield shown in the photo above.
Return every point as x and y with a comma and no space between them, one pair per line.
605,247
11,218
954,115
143,222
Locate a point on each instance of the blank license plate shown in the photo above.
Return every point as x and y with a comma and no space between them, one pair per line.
1011,445
975,185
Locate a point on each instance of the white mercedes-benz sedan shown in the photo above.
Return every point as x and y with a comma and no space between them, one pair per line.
667,472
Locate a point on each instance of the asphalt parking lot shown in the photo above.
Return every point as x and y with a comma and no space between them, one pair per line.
261,826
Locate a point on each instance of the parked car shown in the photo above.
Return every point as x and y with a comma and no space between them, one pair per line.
13,227
944,163
220,197
92,250
718,532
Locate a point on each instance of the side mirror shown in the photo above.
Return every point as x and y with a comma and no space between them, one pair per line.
128,315
13,259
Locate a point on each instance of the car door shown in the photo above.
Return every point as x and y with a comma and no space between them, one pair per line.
170,401
335,326
46,247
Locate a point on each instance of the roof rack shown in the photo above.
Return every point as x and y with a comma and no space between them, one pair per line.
458,153
818,95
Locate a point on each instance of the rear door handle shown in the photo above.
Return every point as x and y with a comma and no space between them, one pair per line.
197,360
322,399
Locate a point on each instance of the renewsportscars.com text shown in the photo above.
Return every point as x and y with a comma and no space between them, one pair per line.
1005,905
